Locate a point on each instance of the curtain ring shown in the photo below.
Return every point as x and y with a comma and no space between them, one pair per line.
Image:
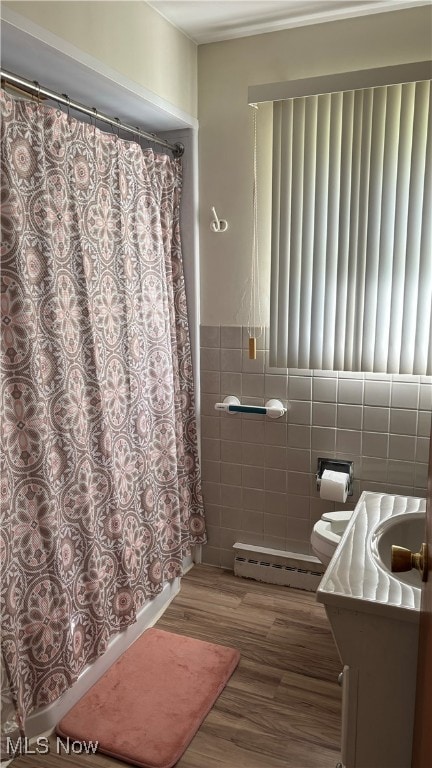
94,110
65,96
36,93
117,119
139,138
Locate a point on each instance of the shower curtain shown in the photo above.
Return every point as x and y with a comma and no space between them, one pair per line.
101,493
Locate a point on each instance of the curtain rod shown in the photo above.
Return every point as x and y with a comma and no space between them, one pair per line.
34,88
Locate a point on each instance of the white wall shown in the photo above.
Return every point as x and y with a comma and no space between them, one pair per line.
129,37
225,70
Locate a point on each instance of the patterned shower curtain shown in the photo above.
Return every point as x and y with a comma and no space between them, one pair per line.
101,493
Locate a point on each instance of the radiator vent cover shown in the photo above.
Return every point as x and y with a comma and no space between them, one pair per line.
275,566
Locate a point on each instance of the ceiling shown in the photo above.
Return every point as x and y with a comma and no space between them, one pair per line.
206,21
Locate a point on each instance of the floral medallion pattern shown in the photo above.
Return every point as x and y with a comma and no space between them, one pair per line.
52,214
17,322
100,484
75,410
107,310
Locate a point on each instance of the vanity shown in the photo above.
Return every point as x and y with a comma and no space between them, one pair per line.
374,616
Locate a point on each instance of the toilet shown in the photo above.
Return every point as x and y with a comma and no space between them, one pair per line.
327,533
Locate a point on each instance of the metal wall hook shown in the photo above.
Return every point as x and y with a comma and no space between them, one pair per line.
218,225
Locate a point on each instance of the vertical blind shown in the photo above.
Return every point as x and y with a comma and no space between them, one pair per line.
351,285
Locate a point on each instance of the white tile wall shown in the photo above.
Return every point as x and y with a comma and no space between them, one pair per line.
377,392
324,389
349,416
300,388
259,475
350,391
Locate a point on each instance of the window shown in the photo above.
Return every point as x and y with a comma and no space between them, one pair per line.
351,230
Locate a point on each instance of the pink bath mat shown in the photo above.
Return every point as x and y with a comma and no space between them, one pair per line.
148,706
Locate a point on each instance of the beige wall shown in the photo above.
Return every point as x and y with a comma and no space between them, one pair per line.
225,70
128,36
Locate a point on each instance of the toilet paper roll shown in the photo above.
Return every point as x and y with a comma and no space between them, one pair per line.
334,485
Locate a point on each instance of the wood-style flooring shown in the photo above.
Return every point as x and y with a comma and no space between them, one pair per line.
282,706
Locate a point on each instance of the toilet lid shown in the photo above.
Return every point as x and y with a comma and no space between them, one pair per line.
343,516
323,531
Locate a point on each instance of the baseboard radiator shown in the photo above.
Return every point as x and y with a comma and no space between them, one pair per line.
276,566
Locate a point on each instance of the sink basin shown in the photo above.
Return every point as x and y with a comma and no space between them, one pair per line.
359,574
405,531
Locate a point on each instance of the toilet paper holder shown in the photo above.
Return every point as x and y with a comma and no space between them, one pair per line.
336,465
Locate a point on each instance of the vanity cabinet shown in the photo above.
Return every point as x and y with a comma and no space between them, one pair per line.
374,616
378,688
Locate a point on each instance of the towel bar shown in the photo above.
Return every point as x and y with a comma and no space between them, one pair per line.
272,408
